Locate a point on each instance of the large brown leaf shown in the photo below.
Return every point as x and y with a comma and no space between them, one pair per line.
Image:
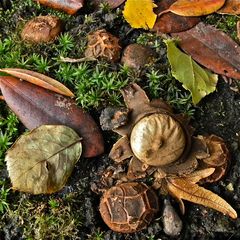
183,189
68,6
36,106
170,22
212,48
42,160
230,7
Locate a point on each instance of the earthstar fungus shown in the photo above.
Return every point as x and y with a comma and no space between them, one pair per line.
156,142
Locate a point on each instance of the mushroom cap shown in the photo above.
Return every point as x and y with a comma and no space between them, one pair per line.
128,207
158,139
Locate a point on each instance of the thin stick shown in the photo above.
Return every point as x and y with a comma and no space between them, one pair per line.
76,60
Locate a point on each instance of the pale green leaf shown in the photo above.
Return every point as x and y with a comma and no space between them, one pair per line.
42,160
200,82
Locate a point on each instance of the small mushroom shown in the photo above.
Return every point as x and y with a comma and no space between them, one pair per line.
42,29
137,56
128,207
102,44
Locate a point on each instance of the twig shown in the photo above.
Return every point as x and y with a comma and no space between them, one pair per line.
76,60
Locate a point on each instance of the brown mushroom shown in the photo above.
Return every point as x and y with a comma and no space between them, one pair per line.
42,29
128,207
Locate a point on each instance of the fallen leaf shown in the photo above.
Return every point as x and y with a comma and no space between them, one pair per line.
230,7
139,14
41,161
211,48
183,189
170,22
194,78
68,6
38,79
194,7
36,106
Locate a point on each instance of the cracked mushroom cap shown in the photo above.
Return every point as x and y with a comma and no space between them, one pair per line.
157,140
128,207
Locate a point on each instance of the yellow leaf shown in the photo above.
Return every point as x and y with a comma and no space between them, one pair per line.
183,189
139,14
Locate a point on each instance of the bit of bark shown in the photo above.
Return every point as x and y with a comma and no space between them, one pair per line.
136,56
102,44
77,60
170,22
36,106
136,169
211,48
112,118
183,189
42,29
172,224
238,30
121,150
112,3
68,6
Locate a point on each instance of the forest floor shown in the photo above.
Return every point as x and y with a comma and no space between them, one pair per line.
73,212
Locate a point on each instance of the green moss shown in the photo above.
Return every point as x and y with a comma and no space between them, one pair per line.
226,23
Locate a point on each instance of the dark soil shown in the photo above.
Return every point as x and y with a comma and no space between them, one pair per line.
218,113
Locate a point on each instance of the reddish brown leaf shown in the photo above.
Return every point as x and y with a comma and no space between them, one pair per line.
212,48
230,7
68,6
36,106
194,7
170,22
38,79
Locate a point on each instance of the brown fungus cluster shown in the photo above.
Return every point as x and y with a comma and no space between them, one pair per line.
158,143
102,44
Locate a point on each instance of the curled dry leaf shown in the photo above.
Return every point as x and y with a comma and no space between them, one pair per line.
211,48
42,29
170,22
139,14
39,80
41,161
36,106
194,7
68,6
183,189
230,7
218,157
